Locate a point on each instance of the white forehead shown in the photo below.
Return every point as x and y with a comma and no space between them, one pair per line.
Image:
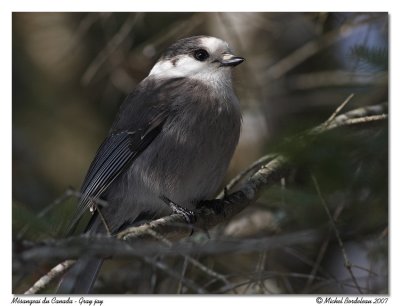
213,44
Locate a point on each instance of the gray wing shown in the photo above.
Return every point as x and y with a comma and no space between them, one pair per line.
114,156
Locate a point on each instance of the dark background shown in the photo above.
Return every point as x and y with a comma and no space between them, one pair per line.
72,70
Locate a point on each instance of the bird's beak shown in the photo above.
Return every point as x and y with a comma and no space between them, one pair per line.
231,60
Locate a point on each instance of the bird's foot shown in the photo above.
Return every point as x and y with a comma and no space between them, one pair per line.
190,216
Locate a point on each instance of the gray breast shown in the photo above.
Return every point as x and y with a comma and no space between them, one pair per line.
185,163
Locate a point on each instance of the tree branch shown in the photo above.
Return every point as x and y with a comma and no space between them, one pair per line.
271,169
175,227
52,274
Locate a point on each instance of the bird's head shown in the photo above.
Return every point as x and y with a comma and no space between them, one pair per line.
203,58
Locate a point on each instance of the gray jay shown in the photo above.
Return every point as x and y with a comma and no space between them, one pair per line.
171,141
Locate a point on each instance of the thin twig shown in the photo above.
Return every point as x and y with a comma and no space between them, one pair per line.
253,167
106,247
341,106
52,274
321,252
260,268
347,262
184,268
384,233
311,48
367,119
111,47
179,28
59,200
190,259
365,269
84,25
356,116
187,282
320,79
103,220
342,283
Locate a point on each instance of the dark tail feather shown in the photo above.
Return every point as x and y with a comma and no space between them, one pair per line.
81,277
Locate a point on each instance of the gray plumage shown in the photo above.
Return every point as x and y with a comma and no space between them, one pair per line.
173,136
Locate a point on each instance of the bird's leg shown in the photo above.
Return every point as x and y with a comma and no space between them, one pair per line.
189,215
104,221
94,207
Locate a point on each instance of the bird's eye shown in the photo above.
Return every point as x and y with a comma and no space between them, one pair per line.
201,55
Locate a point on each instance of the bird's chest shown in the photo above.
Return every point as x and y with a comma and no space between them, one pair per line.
205,133
189,158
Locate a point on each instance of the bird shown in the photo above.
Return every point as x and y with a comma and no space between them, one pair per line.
171,143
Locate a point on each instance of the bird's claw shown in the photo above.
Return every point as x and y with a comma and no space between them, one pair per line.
190,216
